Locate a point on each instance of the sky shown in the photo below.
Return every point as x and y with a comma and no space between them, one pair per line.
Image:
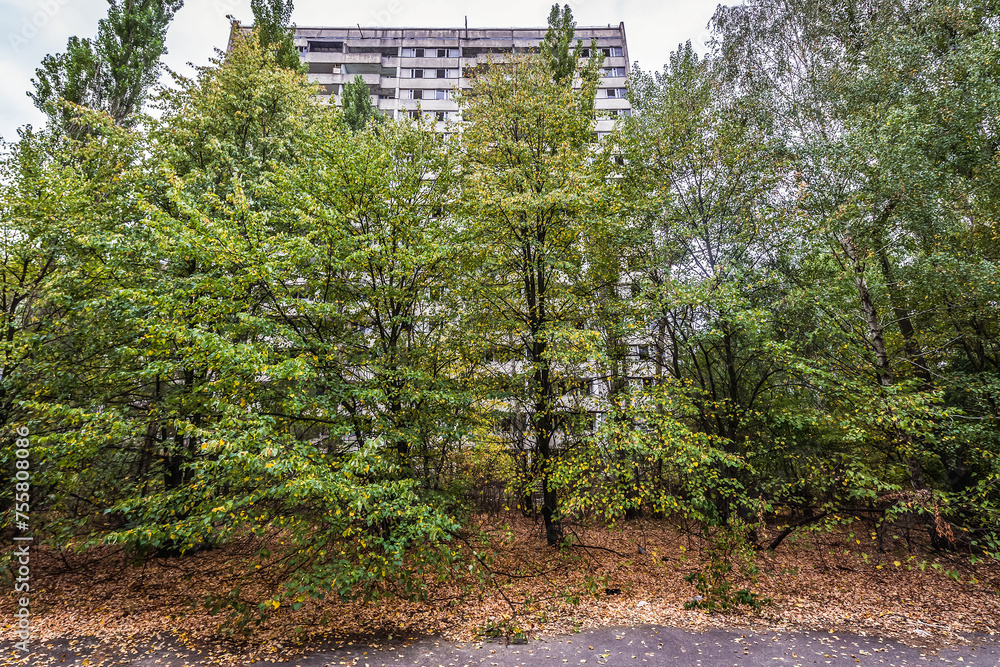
29,29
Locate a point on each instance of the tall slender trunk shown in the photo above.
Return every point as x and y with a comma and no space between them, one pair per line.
875,330
887,378
544,432
910,344
536,278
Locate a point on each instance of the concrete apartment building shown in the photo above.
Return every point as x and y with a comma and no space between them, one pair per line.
410,71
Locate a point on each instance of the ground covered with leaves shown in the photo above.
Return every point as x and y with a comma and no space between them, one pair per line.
516,586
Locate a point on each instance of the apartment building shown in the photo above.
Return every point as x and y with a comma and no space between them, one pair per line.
412,71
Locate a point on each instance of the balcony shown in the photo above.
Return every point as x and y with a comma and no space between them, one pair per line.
428,63
328,79
343,58
425,83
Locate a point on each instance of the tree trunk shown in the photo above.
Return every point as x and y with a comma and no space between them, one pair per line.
875,329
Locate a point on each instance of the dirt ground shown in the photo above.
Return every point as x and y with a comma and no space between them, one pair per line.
629,576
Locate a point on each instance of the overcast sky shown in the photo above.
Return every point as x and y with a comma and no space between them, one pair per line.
32,28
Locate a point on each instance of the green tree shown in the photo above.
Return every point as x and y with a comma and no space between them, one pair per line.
531,199
357,104
557,49
376,254
141,401
274,30
213,374
688,319
884,194
58,199
112,73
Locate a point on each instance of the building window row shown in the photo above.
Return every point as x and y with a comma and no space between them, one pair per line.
416,52
430,53
608,51
433,73
427,94
326,47
438,116
610,113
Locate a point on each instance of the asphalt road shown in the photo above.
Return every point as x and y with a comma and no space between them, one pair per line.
643,646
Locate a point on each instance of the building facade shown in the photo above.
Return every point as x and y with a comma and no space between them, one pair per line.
412,71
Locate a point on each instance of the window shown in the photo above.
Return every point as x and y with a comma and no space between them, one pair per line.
419,94
429,53
440,116
641,352
326,47
416,73
414,114
614,71
617,93
608,51
442,74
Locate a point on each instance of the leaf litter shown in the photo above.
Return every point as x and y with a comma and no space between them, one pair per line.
628,575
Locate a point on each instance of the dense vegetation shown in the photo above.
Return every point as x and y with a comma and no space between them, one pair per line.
769,296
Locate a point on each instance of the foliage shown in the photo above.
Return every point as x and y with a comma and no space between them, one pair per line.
214,389
357,104
532,196
729,557
768,297
274,30
556,48
111,73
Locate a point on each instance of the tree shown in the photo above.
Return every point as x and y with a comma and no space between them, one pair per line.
139,398
532,196
112,73
58,198
881,188
357,104
377,260
557,49
274,30
226,367
698,183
